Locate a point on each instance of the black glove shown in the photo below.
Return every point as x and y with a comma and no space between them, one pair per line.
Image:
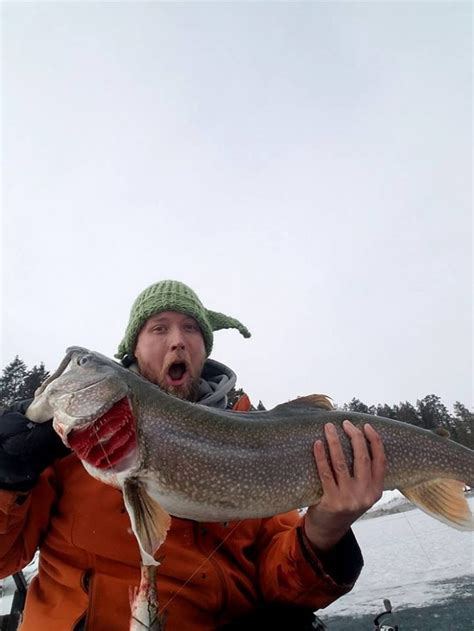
26,449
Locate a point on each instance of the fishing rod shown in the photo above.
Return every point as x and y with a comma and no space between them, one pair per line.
388,611
318,624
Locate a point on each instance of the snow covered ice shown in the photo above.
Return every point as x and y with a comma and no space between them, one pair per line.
406,556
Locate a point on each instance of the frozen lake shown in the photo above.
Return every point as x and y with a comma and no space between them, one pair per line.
410,558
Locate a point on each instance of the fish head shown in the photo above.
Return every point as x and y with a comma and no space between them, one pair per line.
84,394
82,390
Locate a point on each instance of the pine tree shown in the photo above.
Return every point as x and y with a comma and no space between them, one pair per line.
11,381
433,413
464,425
429,413
34,378
407,413
18,383
386,411
355,405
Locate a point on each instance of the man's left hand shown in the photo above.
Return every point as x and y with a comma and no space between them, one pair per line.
346,495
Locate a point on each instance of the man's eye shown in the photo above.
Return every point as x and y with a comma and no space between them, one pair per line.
190,327
159,329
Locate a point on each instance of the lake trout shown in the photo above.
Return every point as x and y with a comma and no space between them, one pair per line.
205,464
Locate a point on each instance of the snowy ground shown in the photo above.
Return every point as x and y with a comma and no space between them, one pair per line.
7,587
410,559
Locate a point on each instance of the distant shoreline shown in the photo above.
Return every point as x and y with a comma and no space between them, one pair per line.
399,505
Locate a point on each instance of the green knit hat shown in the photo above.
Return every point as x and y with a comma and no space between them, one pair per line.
171,295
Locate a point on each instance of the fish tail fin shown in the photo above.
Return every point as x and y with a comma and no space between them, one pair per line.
444,500
150,522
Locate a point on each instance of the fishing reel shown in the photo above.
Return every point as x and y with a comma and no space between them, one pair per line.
385,626
318,624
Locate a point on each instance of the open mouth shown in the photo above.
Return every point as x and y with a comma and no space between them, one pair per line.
176,374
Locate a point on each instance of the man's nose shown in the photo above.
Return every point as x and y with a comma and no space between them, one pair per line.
177,340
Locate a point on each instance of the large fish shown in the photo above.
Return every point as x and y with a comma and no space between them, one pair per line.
204,464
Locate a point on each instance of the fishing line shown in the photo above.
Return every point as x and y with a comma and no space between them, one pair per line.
209,556
416,537
111,466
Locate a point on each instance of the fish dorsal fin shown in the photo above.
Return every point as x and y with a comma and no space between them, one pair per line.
317,400
150,522
444,500
441,431
320,401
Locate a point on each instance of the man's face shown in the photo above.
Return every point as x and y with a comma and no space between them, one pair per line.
170,352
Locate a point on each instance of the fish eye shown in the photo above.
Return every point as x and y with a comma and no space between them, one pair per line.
84,359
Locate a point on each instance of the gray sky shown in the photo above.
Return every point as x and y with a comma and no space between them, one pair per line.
305,167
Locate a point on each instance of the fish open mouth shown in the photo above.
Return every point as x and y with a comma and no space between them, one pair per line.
177,373
108,441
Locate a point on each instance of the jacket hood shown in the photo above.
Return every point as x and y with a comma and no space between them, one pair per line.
217,380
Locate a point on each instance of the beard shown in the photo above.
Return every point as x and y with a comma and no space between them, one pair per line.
175,367
188,391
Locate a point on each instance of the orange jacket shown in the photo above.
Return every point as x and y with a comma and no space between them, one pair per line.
210,573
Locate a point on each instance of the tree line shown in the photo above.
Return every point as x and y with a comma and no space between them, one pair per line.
427,413
18,382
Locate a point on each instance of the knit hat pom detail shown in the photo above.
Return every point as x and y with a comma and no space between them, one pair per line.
220,321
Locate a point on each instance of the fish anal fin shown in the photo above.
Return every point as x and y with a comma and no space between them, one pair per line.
150,522
320,401
444,500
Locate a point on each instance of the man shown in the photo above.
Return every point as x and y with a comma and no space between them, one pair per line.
256,573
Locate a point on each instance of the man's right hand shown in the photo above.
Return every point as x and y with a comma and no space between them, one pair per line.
26,449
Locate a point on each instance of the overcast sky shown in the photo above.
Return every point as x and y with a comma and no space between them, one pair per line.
305,167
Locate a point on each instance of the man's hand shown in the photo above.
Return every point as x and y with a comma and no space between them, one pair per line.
345,497
26,449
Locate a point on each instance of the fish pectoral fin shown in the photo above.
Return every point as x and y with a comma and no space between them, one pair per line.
150,522
444,500
319,401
